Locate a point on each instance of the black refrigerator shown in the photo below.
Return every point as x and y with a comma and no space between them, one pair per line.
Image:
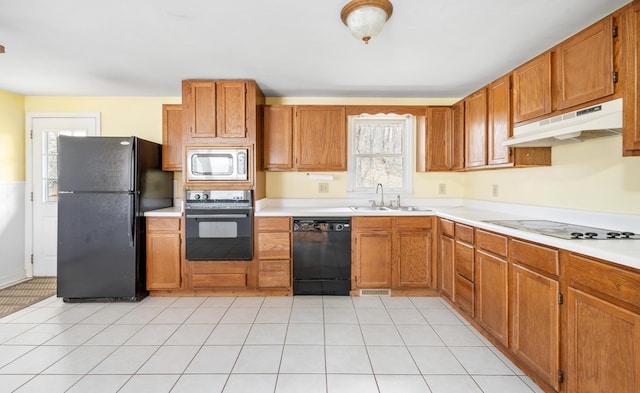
105,184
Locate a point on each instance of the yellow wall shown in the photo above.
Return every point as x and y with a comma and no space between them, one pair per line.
12,137
120,116
590,175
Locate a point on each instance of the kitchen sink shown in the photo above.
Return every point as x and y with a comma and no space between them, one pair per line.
368,208
389,209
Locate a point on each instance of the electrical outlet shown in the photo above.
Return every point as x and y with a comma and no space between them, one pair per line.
323,187
442,188
495,190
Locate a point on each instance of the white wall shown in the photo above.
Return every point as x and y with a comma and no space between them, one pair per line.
11,232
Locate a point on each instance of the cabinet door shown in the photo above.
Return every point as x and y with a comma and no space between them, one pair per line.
585,65
163,264
199,105
414,260
446,250
231,109
373,259
500,127
321,138
475,122
172,137
532,89
535,323
631,100
457,135
603,351
278,137
439,139
491,283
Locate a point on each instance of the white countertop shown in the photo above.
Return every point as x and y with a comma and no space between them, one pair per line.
173,211
471,212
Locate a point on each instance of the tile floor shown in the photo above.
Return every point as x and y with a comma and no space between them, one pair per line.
251,344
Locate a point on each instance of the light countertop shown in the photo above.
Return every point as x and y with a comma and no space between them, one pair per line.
174,211
474,213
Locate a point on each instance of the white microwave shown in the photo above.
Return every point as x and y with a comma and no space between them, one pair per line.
230,164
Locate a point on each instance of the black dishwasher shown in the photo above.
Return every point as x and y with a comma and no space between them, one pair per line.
322,256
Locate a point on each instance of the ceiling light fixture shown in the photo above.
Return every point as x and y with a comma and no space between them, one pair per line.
366,18
1,49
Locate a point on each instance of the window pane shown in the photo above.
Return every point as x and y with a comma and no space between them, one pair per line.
52,167
51,193
378,139
373,170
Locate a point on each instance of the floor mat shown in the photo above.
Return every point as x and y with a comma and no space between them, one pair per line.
26,293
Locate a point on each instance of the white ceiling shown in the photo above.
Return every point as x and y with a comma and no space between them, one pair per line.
292,48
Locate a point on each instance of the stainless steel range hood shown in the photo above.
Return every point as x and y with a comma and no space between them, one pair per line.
593,122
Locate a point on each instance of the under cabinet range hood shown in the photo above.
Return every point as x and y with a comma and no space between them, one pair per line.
593,122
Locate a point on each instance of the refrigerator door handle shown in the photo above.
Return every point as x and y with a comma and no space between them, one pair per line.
132,221
133,169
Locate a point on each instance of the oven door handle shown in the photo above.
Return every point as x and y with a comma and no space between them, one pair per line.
217,215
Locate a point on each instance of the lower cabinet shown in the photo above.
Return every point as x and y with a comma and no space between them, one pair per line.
464,257
274,252
163,253
535,309
603,327
392,253
446,249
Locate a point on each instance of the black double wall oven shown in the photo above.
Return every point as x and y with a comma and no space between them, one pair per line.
219,225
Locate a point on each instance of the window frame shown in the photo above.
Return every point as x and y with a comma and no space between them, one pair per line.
408,154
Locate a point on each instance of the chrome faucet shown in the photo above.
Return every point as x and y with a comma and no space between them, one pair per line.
379,186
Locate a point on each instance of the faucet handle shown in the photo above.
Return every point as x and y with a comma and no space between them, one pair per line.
373,202
398,200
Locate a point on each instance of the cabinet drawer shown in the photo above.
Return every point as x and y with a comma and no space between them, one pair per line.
274,245
163,224
266,224
413,223
492,242
204,281
620,285
464,290
536,256
464,233
372,223
446,227
274,274
464,261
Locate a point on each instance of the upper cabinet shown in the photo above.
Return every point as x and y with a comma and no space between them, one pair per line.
499,127
631,101
172,137
584,65
475,126
305,138
439,150
219,112
457,134
532,89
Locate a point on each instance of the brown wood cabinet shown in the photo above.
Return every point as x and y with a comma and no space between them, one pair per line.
475,125
603,327
414,245
164,262
457,133
218,111
464,257
371,252
274,252
305,138
535,309
392,253
439,151
500,127
172,146
631,100
584,65
532,89
491,283
446,254
278,137
320,138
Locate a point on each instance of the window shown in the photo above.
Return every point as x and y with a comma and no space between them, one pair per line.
381,151
50,161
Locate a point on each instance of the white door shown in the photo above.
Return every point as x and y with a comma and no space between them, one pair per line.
42,178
